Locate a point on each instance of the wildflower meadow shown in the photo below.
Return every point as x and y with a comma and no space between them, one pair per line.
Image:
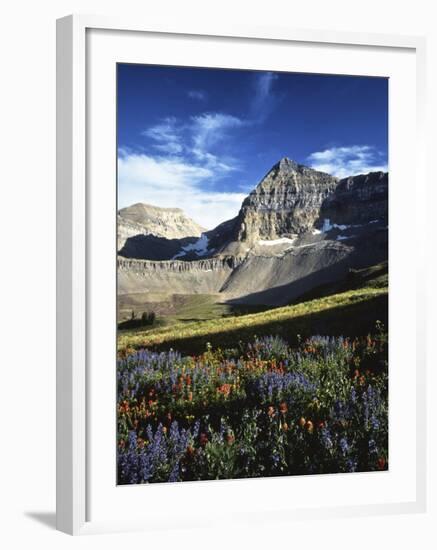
262,408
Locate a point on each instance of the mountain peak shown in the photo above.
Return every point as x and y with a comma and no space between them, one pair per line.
146,207
286,201
287,164
288,167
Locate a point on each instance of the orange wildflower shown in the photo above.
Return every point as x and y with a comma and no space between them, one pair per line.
225,389
309,426
124,407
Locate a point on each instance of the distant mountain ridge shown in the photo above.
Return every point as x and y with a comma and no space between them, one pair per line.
297,229
145,219
291,199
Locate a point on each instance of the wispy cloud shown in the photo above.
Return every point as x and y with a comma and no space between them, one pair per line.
264,99
199,95
348,161
210,128
181,166
166,136
166,182
196,140
183,160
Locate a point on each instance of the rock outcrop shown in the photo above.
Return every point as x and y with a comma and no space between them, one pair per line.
357,200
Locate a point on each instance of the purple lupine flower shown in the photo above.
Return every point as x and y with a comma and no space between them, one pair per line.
344,445
174,474
326,439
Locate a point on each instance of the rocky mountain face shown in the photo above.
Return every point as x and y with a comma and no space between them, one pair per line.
358,200
298,229
145,219
292,201
286,201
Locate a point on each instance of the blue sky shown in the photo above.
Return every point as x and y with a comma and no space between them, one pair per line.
201,139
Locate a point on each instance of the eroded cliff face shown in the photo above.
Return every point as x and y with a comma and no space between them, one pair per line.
287,201
178,266
175,277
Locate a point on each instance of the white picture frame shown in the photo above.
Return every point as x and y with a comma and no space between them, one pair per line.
73,221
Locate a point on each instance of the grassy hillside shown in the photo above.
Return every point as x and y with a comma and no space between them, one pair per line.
375,276
353,312
174,308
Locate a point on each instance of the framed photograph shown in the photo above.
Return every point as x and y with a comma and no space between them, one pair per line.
240,330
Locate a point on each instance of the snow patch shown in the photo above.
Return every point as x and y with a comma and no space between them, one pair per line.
328,226
200,247
273,242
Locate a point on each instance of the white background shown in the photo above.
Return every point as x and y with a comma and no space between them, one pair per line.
27,121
